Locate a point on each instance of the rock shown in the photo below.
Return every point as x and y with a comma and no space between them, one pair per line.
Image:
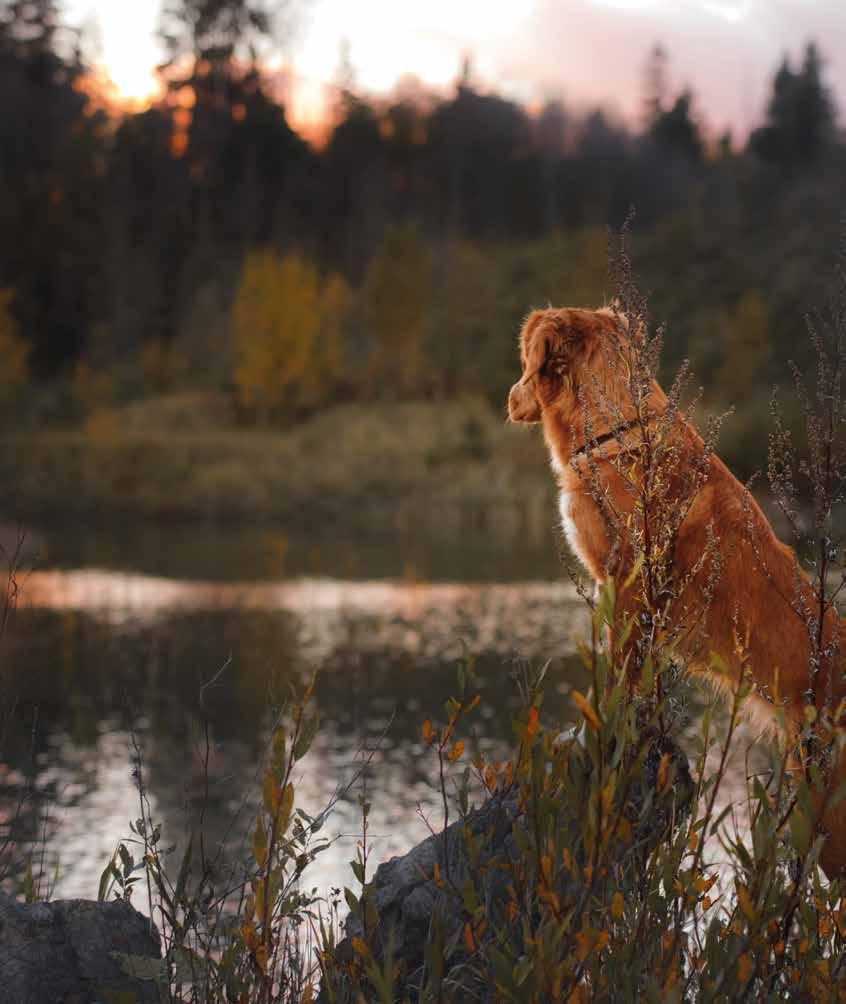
77,952
412,909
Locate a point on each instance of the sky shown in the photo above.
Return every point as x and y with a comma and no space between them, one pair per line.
586,52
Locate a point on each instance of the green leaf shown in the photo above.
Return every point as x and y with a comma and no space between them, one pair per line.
800,830
184,871
125,859
279,755
29,883
106,880
352,901
306,737
260,842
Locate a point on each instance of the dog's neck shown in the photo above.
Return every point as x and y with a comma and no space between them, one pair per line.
571,435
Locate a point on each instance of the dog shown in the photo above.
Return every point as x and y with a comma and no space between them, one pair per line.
576,382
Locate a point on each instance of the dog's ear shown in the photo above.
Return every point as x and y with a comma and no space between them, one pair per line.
539,340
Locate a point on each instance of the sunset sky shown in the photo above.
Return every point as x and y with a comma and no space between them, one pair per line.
584,51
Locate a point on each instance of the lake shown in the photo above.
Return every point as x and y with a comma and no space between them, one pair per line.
119,629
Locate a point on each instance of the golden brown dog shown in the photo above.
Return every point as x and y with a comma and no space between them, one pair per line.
760,595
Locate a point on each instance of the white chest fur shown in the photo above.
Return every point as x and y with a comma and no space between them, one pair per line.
571,532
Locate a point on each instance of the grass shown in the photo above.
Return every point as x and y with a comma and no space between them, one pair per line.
160,458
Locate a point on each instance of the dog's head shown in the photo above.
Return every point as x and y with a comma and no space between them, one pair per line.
557,346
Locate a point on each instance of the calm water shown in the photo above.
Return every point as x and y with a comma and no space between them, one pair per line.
118,630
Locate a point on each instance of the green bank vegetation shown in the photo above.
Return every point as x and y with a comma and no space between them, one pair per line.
352,462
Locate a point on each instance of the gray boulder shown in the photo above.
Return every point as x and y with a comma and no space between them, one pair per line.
77,952
413,910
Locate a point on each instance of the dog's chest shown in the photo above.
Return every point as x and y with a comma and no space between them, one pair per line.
566,502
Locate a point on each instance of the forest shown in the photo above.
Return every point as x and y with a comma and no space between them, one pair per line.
202,247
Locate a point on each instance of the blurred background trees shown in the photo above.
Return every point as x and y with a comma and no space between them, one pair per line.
201,243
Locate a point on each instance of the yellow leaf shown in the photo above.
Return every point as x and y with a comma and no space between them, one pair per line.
429,734
439,882
624,830
663,771
744,967
585,941
633,574
285,809
271,794
469,940
617,905
250,935
260,843
260,900
279,755
532,723
457,750
550,899
745,901
360,947
586,709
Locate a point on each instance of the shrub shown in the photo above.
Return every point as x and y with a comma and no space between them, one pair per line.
286,327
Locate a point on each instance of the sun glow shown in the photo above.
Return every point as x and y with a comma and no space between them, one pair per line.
125,48
133,82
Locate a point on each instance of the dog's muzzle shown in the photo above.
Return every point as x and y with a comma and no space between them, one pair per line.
522,404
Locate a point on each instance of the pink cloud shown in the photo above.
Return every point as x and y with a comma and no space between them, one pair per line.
726,51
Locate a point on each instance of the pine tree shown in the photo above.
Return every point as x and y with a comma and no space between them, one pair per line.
677,130
800,115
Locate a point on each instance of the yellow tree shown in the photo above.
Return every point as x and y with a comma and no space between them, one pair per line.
13,352
286,328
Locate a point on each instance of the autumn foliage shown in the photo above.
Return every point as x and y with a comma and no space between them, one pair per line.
286,327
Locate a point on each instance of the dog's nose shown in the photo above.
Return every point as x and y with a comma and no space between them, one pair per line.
521,404
512,402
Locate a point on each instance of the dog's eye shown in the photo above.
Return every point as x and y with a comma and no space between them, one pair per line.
556,365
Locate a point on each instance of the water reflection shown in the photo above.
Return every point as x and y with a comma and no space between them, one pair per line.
99,654
98,657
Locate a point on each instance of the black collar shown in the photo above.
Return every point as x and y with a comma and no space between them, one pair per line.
606,437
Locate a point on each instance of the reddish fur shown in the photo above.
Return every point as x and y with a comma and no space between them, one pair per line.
561,350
